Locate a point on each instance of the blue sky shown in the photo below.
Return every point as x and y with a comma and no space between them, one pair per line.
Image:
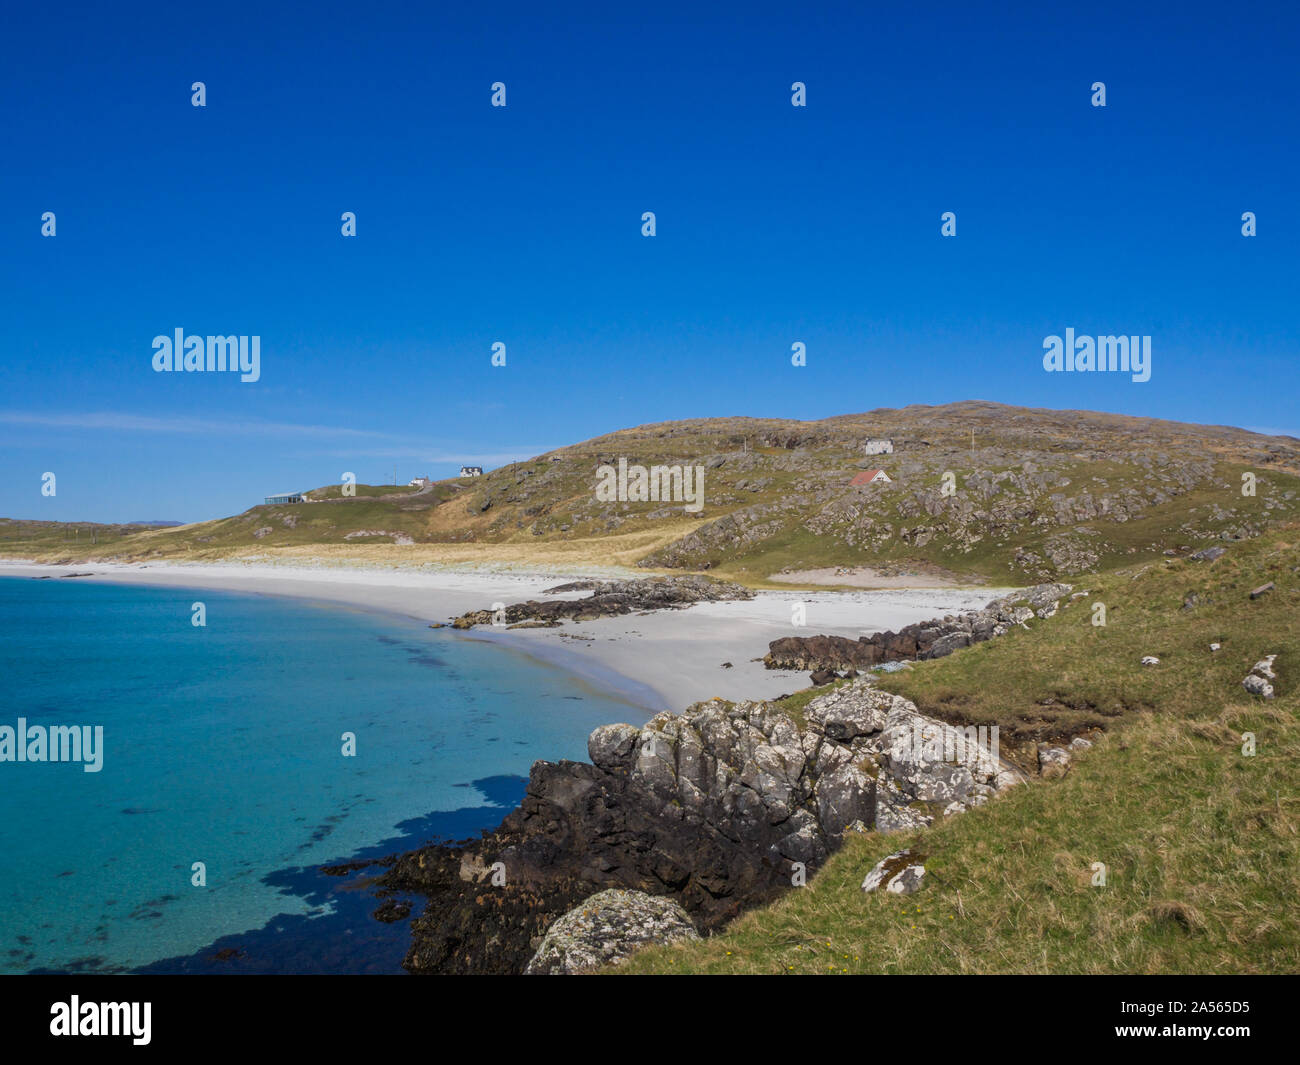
522,225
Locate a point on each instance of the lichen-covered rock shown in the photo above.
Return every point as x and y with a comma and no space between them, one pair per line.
611,746
714,806
850,712
605,929
1052,761
902,873
1259,681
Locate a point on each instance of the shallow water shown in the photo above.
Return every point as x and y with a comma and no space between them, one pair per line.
223,745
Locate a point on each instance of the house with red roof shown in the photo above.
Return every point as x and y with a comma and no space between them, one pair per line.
872,477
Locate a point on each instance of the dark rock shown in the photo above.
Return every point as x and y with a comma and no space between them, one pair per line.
392,910
925,639
611,598
711,807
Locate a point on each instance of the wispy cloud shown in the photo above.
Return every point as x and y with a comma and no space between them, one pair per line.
1265,430
437,455
118,421
400,448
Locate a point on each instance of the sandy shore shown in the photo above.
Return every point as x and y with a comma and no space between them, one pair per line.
865,577
663,661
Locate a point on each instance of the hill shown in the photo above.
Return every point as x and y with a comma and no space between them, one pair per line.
1034,495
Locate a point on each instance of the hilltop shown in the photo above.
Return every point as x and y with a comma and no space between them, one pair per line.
1035,495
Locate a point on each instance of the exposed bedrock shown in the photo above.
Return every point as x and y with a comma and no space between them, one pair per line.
925,639
608,599
713,806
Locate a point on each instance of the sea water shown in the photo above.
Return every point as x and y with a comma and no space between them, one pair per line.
226,745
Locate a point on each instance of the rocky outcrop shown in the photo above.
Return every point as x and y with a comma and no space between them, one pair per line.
719,807
1259,681
609,598
925,639
605,929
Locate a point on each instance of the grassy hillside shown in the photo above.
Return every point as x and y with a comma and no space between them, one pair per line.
1201,843
1037,494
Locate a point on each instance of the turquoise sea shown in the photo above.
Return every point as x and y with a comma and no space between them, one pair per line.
223,745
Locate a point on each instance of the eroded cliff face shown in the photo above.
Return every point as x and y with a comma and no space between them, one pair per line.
721,807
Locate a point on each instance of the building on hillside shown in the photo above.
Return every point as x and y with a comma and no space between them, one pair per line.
419,482
879,447
471,471
284,497
872,477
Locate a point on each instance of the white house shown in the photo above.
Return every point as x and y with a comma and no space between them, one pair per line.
879,447
471,471
419,482
872,477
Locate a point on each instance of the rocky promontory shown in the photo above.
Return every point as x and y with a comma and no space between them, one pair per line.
925,639
609,599
720,808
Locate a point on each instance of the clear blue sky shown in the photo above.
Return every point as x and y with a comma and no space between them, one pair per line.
523,225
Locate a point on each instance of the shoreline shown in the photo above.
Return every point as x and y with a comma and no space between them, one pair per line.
663,660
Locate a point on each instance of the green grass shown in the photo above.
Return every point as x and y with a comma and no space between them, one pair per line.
1201,843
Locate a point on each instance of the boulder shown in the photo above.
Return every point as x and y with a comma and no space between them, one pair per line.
605,929
902,873
1259,681
1052,761
610,746
945,645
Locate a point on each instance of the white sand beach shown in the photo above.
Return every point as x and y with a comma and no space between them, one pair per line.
664,660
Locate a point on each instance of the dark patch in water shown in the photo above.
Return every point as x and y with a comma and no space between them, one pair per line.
348,940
